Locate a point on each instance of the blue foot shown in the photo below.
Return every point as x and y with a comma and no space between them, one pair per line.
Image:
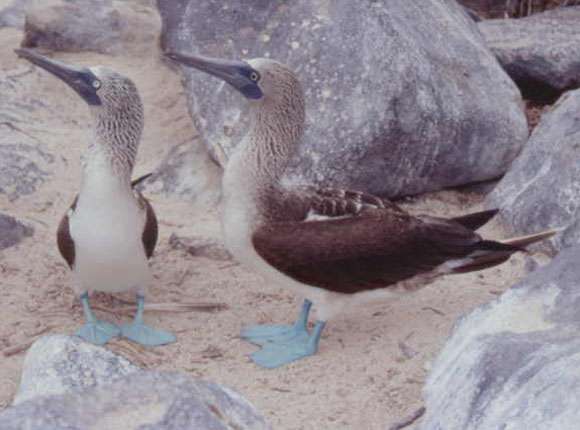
145,335
94,330
263,334
274,355
98,332
142,334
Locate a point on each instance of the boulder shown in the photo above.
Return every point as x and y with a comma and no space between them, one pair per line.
513,363
105,26
141,400
540,52
66,364
12,231
406,98
69,384
542,188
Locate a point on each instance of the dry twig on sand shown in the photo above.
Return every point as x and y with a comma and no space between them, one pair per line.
165,307
177,307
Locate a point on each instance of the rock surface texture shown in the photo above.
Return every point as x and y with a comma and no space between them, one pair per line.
542,188
66,364
104,26
24,162
402,100
69,384
541,53
514,363
13,14
12,231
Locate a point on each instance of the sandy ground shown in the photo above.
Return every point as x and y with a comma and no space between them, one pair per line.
372,362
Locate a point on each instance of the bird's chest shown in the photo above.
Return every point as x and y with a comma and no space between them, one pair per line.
107,228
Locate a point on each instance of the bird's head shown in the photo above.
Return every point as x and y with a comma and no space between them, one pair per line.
260,80
114,103
101,88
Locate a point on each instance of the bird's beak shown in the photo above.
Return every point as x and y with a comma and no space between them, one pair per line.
236,73
80,79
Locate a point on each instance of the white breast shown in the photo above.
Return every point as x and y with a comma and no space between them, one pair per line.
107,227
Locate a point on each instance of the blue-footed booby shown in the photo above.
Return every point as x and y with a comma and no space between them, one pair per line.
110,230
334,247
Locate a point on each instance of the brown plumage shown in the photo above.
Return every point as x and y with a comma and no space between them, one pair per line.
367,245
66,245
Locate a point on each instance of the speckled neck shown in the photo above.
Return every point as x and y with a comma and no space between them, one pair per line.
259,162
112,149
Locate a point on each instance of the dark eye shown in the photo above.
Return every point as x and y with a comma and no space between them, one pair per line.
96,84
254,76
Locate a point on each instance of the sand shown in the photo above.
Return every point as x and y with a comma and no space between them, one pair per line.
372,362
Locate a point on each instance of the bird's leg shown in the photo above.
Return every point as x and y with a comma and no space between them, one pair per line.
262,334
139,332
94,330
277,354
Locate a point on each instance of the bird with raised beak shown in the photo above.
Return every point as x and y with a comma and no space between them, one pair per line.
334,247
110,231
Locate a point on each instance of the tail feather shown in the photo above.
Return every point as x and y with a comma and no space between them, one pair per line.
524,241
482,262
476,220
492,253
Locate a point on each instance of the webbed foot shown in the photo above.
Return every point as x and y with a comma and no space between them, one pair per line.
139,332
277,354
98,332
145,335
95,331
263,334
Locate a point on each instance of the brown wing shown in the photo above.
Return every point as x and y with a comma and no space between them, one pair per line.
150,231
374,250
334,202
65,243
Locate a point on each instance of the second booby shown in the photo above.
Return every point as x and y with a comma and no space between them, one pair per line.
110,230
333,247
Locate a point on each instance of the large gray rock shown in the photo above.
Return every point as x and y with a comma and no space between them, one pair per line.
514,363
106,26
542,188
12,231
541,53
62,364
402,95
69,384
142,400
